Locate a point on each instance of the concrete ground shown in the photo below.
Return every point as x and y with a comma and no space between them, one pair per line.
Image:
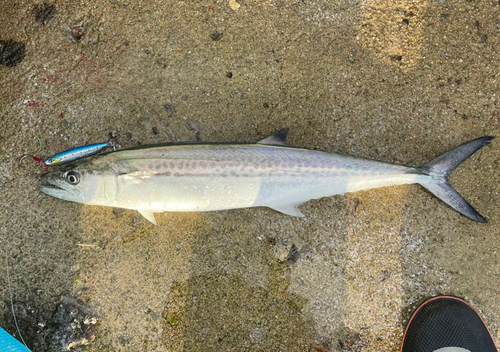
395,80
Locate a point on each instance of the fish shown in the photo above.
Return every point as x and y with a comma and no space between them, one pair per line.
77,153
197,177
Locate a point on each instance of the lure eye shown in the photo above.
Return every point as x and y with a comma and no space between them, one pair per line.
72,177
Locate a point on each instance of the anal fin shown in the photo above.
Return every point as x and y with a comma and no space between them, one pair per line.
288,209
149,215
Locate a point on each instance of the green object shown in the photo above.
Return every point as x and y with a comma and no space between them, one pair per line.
173,321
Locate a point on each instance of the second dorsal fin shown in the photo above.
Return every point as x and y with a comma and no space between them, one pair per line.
276,138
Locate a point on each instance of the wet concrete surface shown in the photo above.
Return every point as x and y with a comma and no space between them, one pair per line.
401,81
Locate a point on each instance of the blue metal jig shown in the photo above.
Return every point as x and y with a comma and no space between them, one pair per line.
77,153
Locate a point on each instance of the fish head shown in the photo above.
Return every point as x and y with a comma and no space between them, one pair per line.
82,182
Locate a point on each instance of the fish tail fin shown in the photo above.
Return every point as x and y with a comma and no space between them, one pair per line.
440,168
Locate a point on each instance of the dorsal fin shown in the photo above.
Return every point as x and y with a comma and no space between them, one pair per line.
276,138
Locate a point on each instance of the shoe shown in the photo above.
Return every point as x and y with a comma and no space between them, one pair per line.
447,324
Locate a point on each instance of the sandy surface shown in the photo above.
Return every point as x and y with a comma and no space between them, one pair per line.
401,81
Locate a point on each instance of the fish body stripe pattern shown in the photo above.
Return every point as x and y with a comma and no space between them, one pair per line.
207,177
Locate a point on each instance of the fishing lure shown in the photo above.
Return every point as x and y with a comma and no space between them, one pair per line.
37,159
41,163
77,153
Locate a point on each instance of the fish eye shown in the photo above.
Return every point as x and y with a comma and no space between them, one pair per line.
72,177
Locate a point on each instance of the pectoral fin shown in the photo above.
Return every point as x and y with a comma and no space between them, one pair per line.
149,215
288,209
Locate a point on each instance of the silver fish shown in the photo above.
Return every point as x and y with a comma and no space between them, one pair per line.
269,173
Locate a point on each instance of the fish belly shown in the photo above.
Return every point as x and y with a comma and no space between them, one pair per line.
296,191
190,193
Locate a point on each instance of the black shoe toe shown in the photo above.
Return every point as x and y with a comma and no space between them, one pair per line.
447,322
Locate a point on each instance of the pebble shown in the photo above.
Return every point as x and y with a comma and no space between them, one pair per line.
78,32
320,347
395,58
293,254
234,4
216,36
169,109
281,253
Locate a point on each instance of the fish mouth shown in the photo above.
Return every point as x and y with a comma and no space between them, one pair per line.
44,184
51,185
